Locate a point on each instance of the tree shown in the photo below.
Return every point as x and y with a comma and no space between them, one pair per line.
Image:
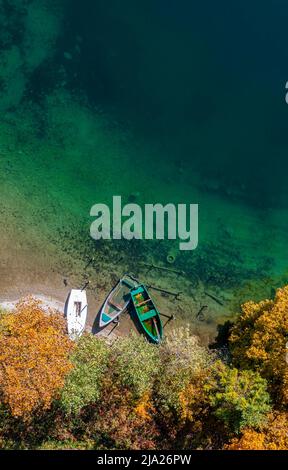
121,423
179,391
83,384
135,363
258,341
249,440
34,362
274,436
238,398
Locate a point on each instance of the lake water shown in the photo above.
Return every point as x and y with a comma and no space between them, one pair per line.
156,101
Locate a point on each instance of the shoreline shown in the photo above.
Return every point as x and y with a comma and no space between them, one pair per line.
49,271
48,302
57,302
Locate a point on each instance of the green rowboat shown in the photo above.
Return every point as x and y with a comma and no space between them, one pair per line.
147,314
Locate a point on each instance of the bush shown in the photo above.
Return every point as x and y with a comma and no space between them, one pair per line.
135,364
84,383
238,398
183,365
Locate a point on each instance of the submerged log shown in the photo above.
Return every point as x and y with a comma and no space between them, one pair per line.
214,298
176,295
163,268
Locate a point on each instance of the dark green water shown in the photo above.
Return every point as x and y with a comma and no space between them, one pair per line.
172,101
205,80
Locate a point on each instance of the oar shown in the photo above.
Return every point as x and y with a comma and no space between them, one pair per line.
83,308
171,317
168,321
156,327
86,285
110,332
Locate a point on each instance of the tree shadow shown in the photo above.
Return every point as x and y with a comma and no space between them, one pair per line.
222,338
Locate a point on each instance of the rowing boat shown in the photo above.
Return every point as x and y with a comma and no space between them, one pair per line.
147,313
76,313
117,301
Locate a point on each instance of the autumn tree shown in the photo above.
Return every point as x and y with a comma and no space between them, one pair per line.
120,423
273,436
179,392
183,361
258,341
249,440
34,362
123,416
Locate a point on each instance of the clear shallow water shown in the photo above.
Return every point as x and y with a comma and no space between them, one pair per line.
177,102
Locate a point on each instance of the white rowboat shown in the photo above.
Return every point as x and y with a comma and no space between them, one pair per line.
76,313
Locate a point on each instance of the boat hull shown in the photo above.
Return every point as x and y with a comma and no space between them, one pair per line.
76,313
147,314
117,301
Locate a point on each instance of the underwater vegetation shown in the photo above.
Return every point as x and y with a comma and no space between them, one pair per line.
95,104
29,31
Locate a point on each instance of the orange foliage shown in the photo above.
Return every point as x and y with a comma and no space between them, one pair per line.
250,440
33,357
273,437
144,407
259,337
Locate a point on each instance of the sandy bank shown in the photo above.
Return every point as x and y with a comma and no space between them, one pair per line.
51,302
48,302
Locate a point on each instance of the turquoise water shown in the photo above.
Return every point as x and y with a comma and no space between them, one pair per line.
156,101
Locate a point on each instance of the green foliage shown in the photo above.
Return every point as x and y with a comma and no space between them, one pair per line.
143,396
66,445
238,398
135,364
182,361
83,385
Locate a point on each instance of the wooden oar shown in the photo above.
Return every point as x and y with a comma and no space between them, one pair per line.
156,327
169,319
85,286
110,332
143,303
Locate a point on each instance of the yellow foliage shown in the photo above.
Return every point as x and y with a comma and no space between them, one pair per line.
250,440
192,400
273,437
144,407
259,337
34,359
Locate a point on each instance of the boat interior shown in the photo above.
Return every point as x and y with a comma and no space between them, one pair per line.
144,304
